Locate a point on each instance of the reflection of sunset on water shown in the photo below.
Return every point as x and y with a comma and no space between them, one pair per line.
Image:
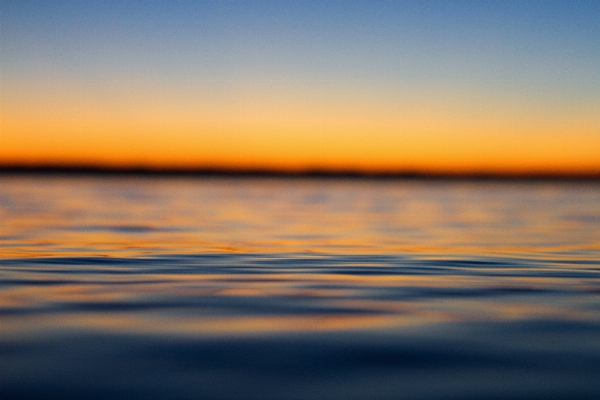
215,256
318,281
236,304
161,216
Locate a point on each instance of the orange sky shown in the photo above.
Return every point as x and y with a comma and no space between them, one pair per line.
270,132
441,92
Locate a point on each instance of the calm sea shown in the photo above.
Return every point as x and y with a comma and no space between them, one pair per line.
190,288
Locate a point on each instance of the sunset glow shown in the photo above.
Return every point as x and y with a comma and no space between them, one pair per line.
367,86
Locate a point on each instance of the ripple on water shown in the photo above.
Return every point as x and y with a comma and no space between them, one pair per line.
246,289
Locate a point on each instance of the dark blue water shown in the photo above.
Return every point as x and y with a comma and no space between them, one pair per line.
298,289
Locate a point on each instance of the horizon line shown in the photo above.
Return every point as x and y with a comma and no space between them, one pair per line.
261,172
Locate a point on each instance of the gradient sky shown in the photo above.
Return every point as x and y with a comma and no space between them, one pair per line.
384,85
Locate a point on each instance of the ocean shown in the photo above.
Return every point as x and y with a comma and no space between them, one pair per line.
263,288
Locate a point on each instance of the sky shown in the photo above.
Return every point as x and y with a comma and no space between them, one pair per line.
292,85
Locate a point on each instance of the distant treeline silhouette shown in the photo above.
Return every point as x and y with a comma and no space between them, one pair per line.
73,169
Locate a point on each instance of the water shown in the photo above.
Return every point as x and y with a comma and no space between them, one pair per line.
298,289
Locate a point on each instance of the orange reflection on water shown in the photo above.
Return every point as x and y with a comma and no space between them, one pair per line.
61,216
213,256
230,304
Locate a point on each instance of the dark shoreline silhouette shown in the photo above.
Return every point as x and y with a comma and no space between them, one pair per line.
51,169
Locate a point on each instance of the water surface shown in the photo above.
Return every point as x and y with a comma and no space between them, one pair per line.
302,289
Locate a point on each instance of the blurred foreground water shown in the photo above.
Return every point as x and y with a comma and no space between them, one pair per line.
298,289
